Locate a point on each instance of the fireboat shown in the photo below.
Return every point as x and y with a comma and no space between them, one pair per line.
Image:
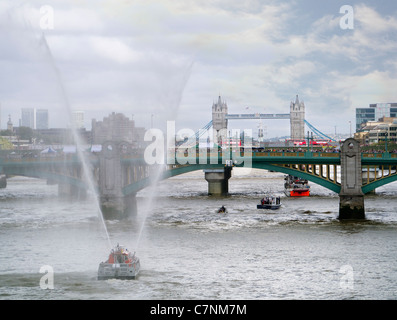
296,187
121,264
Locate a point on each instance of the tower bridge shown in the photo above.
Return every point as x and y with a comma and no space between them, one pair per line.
220,118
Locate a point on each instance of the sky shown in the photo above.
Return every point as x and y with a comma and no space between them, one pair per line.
159,60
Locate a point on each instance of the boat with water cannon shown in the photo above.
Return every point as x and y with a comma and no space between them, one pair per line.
296,187
121,264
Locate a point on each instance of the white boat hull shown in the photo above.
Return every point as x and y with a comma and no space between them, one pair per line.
118,270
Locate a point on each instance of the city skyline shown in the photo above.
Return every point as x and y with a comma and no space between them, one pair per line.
38,118
172,60
34,118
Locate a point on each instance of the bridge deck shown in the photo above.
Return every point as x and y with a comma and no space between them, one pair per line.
258,116
273,156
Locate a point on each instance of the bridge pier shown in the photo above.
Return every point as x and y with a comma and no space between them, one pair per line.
118,207
351,207
113,176
351,197
218,180
3,181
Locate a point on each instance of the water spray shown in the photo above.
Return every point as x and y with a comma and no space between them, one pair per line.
155,178
87,173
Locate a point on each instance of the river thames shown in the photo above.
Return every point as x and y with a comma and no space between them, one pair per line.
189,251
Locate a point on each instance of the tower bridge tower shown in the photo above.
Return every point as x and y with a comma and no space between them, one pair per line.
297,119
219,121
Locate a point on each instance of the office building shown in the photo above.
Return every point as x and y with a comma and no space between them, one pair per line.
117,127
78,119
27,118
41,119
383,130
374,113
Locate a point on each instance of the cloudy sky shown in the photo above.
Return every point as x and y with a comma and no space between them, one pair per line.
172,58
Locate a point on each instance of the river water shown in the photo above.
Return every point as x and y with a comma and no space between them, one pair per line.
188,251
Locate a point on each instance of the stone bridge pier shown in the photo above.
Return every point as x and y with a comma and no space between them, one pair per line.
218,180
113,177
351,197
3,181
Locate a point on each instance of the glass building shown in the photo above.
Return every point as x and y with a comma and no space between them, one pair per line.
374,113
41,119
27,117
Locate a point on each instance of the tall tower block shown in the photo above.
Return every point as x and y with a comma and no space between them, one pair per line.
297,117
219,121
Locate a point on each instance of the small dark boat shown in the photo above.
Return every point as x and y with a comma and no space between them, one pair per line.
121,264
222,210
270,202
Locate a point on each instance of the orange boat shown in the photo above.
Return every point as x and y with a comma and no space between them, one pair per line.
121,264
296,187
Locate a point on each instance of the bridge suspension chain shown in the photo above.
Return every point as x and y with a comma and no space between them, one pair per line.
199,133
318,132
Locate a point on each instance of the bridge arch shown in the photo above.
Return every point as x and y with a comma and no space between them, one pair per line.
378,183
59,178
318,180
139,185
146,182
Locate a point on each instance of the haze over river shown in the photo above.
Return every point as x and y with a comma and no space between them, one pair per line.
188,251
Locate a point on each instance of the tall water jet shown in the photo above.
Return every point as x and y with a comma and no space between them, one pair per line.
65,102
172,105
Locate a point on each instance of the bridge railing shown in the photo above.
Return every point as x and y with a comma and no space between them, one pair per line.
37,158
295,154
220,155
383,155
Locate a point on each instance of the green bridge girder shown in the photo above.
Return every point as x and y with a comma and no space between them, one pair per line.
40,170
273,160
139,185
53,176
266,160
